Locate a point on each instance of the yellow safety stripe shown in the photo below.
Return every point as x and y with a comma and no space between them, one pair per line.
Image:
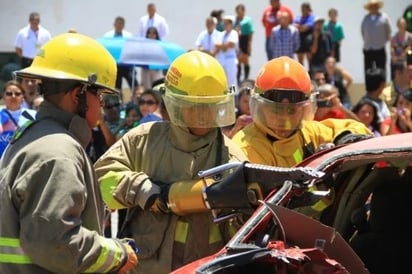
109,258
182,229
297,156
108,185
214,234
321,205
11,252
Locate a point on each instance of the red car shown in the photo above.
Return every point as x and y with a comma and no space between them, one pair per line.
360,193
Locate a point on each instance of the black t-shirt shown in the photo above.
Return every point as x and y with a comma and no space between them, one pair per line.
324,48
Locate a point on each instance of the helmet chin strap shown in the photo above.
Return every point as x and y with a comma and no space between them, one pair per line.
82,105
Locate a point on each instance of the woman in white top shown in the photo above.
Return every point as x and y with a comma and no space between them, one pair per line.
226,50
151,75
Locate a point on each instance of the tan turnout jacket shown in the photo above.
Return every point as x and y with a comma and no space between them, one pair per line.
163,152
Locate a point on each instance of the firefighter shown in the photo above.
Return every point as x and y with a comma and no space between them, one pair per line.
154,167
52,213
283,131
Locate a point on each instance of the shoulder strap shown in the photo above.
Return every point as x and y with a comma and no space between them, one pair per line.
18,133
27,115
220,143
11,117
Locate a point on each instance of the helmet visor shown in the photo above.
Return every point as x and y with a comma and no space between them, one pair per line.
200,111
279,95
281,117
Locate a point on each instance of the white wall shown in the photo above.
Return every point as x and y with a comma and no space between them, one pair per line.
186,20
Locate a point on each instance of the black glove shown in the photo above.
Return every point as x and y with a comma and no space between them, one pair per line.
348,137
159,202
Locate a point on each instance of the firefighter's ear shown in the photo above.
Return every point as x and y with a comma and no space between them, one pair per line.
75,94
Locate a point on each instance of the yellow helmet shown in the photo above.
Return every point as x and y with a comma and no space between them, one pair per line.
197,82
73,56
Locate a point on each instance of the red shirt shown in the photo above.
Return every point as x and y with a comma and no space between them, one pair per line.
337,114
396,130
270,17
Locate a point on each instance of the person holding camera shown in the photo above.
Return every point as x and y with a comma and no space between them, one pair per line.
330,106
401,115
402,77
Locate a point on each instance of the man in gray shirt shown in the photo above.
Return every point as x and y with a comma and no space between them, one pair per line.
376,32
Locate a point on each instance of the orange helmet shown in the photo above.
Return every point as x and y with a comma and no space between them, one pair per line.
283,97
283,73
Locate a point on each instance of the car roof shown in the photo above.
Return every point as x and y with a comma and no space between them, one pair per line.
396,149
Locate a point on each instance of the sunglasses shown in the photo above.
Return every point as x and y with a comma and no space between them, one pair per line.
147,102
112,106
9,93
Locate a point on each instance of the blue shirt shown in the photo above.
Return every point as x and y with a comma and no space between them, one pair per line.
284,41
308,20
10,121
150,118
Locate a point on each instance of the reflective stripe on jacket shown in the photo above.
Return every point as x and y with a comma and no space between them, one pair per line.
11,252
51,209
163,152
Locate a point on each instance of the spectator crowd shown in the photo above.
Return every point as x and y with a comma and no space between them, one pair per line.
305,36
292,39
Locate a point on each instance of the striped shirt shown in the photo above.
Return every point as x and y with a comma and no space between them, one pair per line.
284,41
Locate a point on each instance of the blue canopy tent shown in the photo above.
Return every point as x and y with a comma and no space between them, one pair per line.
142,52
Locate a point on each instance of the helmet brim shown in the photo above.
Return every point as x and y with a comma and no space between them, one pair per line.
46,73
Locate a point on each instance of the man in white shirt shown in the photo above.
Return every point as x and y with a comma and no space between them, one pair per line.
118,29
30,38
123,71
153,19
206,39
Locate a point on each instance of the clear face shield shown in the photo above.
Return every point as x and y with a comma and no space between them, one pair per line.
282,111
200,111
